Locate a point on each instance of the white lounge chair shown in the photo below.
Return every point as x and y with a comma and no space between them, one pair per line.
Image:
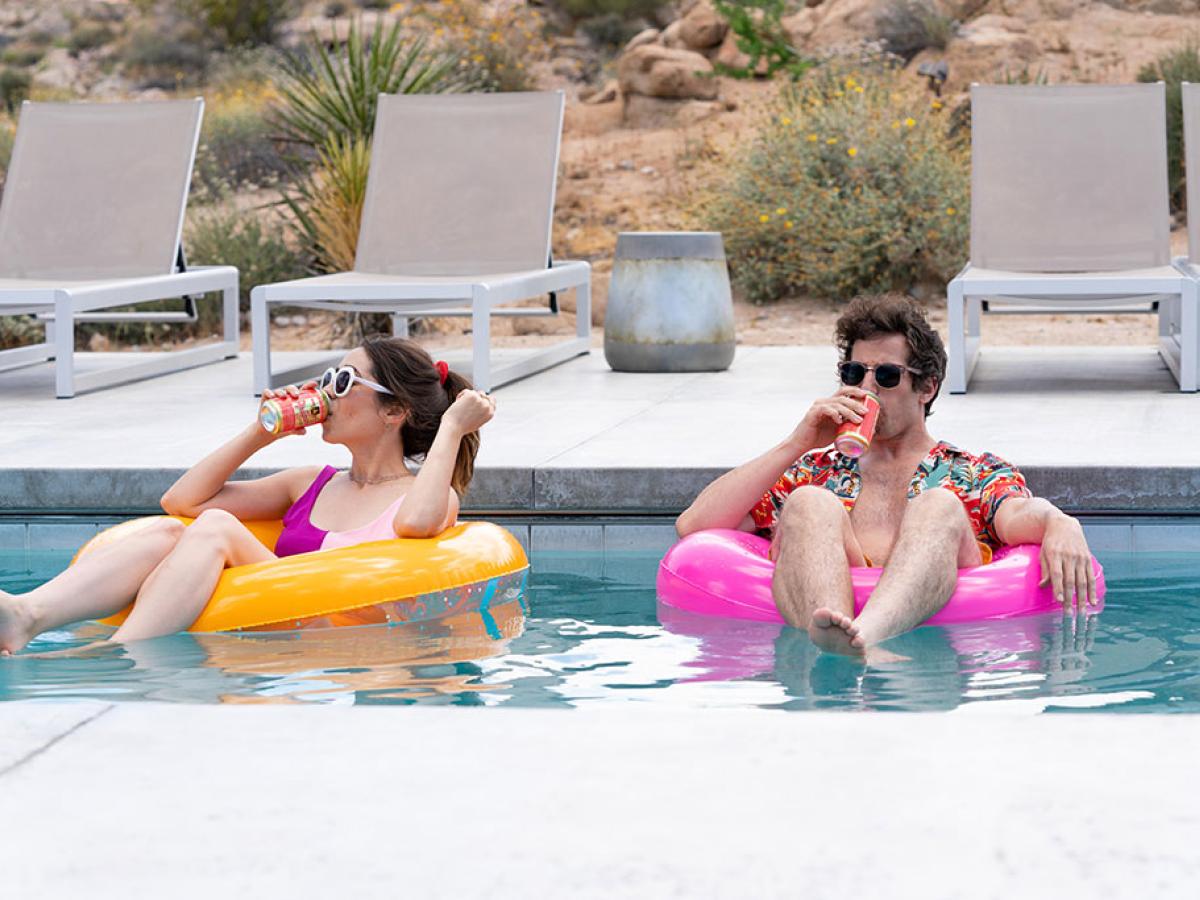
91,219
1190,265
1069,213
456,221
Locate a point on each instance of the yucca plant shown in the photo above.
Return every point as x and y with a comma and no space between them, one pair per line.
328,204
326,94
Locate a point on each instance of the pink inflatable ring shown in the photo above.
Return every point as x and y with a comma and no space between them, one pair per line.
727,573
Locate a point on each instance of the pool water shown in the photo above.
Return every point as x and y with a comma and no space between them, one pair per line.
589,631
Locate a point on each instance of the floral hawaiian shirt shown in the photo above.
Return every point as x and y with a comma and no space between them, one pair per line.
982,483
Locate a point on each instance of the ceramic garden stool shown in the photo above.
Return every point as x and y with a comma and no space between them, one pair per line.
669,304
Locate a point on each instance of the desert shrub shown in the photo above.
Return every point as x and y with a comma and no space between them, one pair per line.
166,55
89,36
240,22
610,30
1175,67
629,9
253,240
8,136
851,185
494,44
910,26
14,88
760,35
23,55
238,145
17,331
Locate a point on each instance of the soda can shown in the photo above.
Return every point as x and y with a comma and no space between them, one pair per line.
280,415
853,438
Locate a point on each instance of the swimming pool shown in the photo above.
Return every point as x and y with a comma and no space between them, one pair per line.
590,632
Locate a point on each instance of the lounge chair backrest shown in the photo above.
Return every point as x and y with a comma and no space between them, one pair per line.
461,184
97,190
1191,166
1069,178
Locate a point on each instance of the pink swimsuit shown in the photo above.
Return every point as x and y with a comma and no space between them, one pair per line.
299,535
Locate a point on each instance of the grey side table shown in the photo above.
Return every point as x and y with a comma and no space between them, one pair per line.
669,304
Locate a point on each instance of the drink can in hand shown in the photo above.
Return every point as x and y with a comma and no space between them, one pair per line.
853,438
280,415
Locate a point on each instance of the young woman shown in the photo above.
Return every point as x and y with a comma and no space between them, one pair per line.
390,402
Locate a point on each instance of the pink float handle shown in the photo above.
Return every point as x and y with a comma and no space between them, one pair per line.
727,573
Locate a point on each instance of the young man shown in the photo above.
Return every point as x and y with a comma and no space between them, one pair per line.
918,507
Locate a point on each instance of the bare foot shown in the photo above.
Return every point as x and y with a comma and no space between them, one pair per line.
835,632
14,625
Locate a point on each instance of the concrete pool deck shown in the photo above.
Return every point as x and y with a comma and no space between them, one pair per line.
1094,429
149,800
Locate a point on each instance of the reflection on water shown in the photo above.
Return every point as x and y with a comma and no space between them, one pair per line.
589,631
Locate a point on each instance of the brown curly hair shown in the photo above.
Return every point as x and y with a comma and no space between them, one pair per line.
408,371
869,317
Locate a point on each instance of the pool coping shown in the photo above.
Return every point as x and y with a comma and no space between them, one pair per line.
576,491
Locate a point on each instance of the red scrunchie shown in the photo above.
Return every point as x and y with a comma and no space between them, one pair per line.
442,369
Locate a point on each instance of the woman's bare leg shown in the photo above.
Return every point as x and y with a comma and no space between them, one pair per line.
101,583
177,591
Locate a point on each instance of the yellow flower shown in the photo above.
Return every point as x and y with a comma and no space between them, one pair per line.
812,138
837,93
936,104
494,37
850,82
852,151
781,211
787,224
950,210
910,122
831,141
785,121
478,58
764,218
896,124
858,89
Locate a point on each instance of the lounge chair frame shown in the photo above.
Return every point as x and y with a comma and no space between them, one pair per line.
61,303
416,287
1078,280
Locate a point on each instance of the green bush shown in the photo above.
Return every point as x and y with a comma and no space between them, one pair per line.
166,57
240,22
8,136
14,88
852,186
252,240
18,331
238,143
761,36
89,36
22,56
1179,65
910,26
629,9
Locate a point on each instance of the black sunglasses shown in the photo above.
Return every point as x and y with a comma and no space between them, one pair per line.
887,375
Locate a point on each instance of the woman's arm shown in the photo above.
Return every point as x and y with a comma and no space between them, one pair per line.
206,485
431,505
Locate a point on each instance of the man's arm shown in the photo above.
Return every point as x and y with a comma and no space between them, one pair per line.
726,503
1066,559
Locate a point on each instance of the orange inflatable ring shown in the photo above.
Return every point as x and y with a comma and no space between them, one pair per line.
470,566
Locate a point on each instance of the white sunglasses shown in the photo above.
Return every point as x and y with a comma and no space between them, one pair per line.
338,382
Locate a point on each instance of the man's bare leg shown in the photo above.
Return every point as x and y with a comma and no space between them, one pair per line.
814,549
935,541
